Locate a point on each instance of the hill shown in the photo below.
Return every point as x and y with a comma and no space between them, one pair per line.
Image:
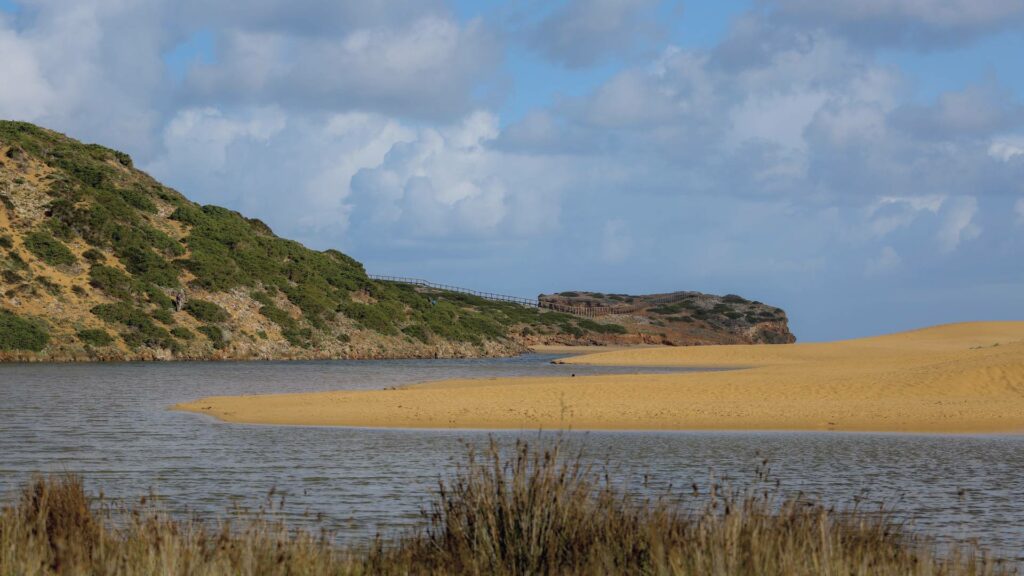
678,318
99,261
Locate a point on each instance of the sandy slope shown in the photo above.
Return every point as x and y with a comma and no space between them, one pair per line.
953,378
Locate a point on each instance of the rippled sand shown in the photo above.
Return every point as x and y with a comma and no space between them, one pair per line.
961,378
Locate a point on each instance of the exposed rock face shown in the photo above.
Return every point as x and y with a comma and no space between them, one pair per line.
678,318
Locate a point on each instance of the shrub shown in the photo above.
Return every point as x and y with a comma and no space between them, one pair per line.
575,331
292,331
94,256
5,242
182,333
17,333
49,249
95,337
205,311
163,315
114,282
417,331
600,327
215,334
374,317
141,329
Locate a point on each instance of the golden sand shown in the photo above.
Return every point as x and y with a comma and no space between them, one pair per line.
960,378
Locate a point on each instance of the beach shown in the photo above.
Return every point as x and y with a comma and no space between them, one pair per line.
956,378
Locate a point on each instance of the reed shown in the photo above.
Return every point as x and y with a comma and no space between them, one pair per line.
522,511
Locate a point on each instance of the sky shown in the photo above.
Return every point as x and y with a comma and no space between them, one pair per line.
859,164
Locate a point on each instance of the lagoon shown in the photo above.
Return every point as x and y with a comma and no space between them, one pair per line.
111,423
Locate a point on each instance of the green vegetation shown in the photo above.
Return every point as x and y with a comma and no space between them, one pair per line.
523,512
206,311
139,327
137,258
601,328
215,334
49,249
17,333
182,333
95,337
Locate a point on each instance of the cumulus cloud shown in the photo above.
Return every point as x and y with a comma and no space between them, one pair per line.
583,32
427,68
293,172
447,183
920,23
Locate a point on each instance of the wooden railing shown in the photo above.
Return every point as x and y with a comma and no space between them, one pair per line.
586,311
448,288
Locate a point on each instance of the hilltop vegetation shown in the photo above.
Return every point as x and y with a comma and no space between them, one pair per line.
678,318
98,260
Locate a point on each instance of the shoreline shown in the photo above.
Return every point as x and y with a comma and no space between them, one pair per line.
959,379
24,357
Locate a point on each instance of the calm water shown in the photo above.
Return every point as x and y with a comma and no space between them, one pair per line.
110,422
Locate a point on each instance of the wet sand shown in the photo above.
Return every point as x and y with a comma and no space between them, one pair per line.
958,378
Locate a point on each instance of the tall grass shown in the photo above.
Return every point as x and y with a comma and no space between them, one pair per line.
529,511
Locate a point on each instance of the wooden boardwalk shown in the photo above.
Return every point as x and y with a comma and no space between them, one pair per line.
584,311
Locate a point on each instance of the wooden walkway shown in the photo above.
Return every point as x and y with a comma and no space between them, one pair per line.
585,311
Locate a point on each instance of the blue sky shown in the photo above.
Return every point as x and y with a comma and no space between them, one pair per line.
859,164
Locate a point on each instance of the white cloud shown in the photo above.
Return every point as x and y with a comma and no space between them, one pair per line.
958,225
886,261
427,67
27,94
197,139
890,213
448,183
1006,149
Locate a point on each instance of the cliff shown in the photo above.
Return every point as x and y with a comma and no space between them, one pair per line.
676,319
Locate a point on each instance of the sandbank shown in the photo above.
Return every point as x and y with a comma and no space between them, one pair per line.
956,378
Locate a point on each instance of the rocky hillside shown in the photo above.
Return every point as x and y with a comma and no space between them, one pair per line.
677,319
99,261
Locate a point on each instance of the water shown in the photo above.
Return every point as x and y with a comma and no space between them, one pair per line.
110,423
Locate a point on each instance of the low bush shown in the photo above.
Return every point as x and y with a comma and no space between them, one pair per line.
49,249
601,328
95,337
417,331
215,334
206,311
17,333
141,331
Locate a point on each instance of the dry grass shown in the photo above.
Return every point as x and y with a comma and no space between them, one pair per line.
529,512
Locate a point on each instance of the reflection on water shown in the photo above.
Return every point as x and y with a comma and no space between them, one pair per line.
110,422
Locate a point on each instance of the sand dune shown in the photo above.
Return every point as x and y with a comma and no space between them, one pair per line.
961,378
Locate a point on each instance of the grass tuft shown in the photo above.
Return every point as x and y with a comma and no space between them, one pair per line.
527,511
